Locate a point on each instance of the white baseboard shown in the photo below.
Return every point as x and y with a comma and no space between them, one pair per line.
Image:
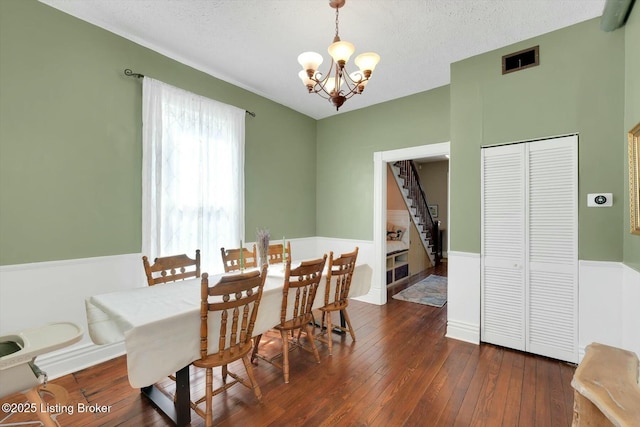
461,331
73,359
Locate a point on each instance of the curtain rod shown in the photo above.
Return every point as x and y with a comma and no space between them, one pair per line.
129,73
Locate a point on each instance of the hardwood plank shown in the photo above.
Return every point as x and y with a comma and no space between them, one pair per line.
434,399
483,412
453,405
495,410
566,375
542,400
529,393
511,410
401,395
473,396
556,398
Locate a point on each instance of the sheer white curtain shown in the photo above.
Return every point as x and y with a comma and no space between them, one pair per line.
192,174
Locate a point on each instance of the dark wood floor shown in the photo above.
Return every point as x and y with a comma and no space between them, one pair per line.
402,371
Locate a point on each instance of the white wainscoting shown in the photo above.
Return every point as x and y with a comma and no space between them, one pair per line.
365,256
600,304
463,296
313,247
609,300
631,309
36,294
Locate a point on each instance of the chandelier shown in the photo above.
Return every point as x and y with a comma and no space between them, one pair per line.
337,85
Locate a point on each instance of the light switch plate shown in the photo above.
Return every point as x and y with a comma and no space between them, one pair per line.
600,200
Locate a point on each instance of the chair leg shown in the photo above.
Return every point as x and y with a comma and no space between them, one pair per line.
329,329
346,318
254,384
285,354
225,372
254,352
312,340
208,419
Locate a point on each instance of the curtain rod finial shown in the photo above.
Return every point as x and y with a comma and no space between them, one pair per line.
129,73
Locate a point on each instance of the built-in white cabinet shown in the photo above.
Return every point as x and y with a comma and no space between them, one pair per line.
529,247
397,267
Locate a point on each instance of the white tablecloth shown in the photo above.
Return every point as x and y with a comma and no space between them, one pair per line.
160,324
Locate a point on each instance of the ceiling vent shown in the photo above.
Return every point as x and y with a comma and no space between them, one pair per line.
520,60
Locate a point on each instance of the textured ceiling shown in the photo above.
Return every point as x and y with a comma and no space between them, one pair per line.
254,44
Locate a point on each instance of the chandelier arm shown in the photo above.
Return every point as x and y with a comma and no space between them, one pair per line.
321,93
352,85
350,82
321,82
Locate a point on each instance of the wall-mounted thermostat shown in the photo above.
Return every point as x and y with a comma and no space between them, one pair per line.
600,200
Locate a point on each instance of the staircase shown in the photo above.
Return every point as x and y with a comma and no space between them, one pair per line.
408,181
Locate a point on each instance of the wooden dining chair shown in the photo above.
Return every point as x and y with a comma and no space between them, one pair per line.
298,295
232,306
171,268
336,297
274,253
233,262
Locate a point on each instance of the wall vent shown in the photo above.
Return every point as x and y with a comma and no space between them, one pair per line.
520,60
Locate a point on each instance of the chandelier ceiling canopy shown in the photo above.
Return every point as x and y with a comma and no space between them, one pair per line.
337,85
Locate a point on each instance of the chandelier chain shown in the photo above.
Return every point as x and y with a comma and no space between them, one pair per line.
337,35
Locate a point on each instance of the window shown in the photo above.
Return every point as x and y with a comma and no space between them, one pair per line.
193,174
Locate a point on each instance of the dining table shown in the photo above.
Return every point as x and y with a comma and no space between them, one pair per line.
160,327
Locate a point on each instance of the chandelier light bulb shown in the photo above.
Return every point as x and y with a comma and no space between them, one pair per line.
310,60
367,62
341,51
306,80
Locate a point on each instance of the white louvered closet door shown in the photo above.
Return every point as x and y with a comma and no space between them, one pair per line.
552,216
503,246
529,247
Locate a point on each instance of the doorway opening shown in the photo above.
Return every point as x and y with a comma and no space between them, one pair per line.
378,292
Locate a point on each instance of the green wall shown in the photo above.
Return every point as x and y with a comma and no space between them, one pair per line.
578,87
346,144
632,118
70,141
70,138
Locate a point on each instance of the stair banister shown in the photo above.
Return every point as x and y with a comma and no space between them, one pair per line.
410,175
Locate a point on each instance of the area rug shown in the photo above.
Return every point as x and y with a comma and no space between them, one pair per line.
429,291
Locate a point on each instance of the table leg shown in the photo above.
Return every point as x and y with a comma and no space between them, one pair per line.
183,396
179,411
